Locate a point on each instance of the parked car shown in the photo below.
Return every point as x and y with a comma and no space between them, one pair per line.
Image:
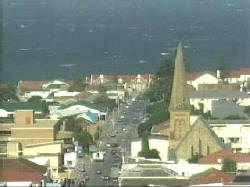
98,172
106,178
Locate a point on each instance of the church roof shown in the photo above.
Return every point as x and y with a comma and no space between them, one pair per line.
200,120
179,98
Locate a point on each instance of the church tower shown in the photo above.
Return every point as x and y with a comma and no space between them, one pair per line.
179,106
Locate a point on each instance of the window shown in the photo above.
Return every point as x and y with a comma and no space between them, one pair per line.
208,150
69,162
234,140
200,151
192,151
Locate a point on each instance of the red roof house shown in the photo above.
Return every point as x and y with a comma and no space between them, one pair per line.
212,176
219,156
21,170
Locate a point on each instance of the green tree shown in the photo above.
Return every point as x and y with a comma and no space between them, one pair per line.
102,89
8,93
229,165
146,152
162,86
105,102
195,158
78,85
84,139
35,99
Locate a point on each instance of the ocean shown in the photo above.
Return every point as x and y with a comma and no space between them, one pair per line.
47,39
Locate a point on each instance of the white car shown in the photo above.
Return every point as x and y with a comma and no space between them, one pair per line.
124,129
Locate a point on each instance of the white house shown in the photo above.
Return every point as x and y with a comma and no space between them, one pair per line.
195,79
233,132
203,99
70,159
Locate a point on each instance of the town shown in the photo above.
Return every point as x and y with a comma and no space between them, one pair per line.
171,128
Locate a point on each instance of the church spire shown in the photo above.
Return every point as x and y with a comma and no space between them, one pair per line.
179,96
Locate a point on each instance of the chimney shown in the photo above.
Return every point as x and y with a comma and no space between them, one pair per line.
218,74
24,117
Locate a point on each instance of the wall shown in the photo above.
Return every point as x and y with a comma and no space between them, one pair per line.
46,148
161,146
204,142
236,130
136,147
32,135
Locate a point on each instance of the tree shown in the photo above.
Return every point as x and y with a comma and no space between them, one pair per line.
84,138
195,158
146,152
78,85
229,165
35,99
8,93
102,89
247,110
105,102
162,86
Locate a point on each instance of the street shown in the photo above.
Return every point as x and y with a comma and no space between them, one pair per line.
122,131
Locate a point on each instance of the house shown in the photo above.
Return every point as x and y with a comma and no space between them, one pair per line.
213,177
196,79
242,160
202,100
239,76
70,159
236,133
21,172
48,154
131,82
7,109
222,109
82,109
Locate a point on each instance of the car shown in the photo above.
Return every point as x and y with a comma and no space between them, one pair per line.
114,145
112,135
98,172
82,183
122,117
108,144
86,177
106,178
82,170
124,129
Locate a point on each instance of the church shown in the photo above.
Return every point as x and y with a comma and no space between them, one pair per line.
186,137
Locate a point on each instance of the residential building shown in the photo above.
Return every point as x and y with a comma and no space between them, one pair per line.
202,100
233,132
21,172
196,79
27,130
212,177
242,160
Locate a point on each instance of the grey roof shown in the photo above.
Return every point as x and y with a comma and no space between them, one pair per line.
222,109
218,94
228,122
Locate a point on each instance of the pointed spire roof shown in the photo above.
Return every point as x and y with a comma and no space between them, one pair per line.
179,96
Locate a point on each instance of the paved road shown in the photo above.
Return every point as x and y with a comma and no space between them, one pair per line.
132,116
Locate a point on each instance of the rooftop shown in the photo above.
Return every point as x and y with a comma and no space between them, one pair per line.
212,176
87,104
221,94
214,157
19,169
12,107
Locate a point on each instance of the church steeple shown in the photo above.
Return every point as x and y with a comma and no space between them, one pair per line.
179,96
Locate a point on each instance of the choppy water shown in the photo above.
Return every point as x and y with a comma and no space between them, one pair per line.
45,39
